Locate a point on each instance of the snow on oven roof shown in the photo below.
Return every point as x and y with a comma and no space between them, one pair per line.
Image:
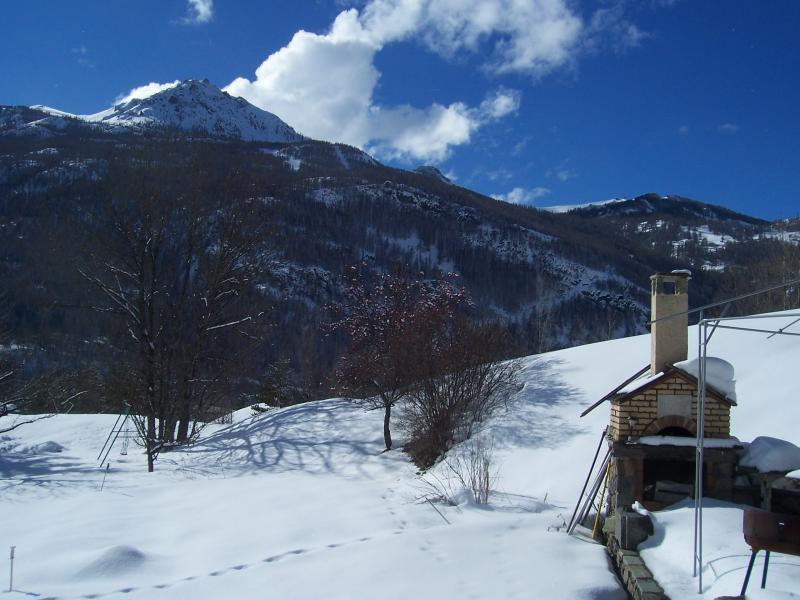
674,440
719,380
719,377
719,374
640,382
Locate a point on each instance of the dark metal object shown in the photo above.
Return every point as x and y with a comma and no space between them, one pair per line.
610,394
588,477
772,532
777,286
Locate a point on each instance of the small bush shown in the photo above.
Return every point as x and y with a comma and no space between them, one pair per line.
459,384
469,470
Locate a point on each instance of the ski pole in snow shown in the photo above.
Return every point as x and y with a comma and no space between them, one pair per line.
11,575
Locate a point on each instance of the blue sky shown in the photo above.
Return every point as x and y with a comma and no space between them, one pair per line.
536,101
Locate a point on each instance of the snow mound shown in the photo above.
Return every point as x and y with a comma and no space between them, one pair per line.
719,374
114,561
50,446
771,454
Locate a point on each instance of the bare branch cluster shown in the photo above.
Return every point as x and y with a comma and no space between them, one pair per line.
459,383
382,320
173,267
468,470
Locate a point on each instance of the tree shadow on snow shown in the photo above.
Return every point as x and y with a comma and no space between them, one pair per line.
531,419
314,437
44,473
21,463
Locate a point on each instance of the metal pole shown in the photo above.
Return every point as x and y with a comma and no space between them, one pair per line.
108,466
114,441
697,444
11,575
588,477
110,433
701,409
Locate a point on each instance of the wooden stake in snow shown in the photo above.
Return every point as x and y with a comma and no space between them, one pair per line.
11,574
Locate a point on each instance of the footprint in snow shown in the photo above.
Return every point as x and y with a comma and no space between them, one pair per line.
270,559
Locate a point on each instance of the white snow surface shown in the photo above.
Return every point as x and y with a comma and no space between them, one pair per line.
769,454
564,208
668,554
719,374
672,440
301,502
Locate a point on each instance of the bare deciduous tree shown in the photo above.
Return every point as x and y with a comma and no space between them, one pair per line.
173,268
380,320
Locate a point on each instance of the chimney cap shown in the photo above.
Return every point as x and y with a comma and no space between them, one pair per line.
676,273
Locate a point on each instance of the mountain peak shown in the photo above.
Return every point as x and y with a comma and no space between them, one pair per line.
197,105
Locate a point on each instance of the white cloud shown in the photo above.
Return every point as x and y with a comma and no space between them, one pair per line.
562,173
521,195
728,128
683,130
501,174
145,91
323,84
609,27
199,12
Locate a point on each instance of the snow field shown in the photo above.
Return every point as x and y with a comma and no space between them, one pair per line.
302,503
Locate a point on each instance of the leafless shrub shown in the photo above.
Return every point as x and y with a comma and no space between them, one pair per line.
459,384
468,470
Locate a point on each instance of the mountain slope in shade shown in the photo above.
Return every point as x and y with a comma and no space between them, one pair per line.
191,106
652,204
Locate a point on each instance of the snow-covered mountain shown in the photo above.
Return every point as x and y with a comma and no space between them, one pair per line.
655,204
190,106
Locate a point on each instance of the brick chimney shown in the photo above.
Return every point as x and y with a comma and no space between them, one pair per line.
669,340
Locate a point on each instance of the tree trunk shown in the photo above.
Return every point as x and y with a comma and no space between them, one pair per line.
183,423
151,435
185,417
387,435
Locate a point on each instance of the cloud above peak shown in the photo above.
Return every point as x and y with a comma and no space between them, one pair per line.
324,84
145,91
520,195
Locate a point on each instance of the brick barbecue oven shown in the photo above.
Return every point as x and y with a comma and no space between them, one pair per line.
652,428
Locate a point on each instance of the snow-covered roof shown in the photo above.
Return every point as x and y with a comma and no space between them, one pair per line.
674,440
719,374
719,378
640,382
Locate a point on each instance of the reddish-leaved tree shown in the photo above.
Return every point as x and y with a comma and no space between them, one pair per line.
381,320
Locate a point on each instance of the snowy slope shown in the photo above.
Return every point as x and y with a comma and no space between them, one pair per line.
301,503
193,106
